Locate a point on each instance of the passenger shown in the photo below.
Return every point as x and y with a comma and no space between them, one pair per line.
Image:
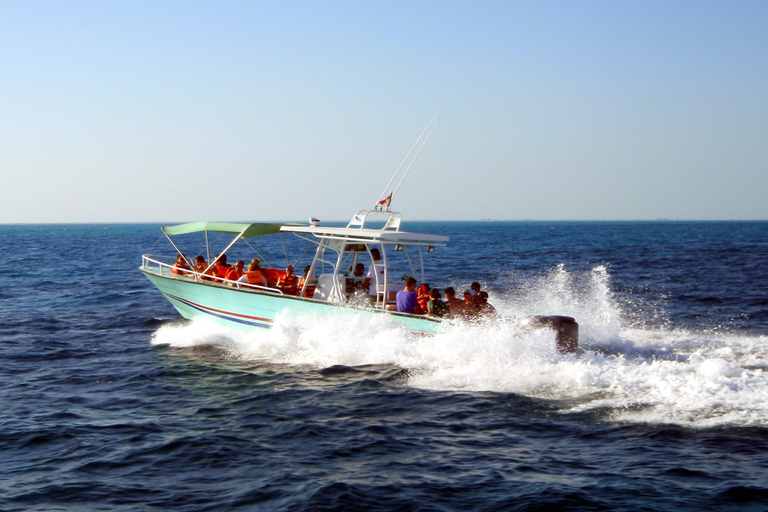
222,267
455,306
376,269
436,306
359,276
311,283
406,298
483,308
470,307
288,282
208,274
235,273
200,265
475,289
253,275
180,267
422,298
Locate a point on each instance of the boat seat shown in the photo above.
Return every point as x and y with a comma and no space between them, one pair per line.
272,275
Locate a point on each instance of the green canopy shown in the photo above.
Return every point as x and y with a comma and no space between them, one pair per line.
248,230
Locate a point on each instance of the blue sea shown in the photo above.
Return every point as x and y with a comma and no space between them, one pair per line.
110,401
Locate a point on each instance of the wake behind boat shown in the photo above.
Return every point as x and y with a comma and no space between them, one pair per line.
332,282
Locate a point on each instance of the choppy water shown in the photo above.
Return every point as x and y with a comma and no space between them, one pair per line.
110,402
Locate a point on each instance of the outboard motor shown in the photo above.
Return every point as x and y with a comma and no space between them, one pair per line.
565,327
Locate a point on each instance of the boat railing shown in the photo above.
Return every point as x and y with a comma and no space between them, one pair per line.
149,263
388,220
249,286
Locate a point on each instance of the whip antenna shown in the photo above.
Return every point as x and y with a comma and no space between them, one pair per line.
384,202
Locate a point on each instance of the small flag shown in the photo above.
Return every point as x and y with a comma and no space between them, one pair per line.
384,203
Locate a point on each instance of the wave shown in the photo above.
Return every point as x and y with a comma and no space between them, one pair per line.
643,374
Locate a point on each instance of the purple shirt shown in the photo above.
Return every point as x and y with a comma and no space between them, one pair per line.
406,301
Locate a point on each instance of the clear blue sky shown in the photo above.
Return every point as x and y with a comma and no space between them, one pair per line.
142,111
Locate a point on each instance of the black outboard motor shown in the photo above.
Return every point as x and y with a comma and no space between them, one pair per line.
565,327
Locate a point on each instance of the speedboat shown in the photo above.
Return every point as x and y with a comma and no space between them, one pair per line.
372,238
332,284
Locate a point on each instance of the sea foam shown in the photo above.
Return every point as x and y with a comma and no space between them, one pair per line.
630,374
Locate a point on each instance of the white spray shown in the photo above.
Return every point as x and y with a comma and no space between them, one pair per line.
639,374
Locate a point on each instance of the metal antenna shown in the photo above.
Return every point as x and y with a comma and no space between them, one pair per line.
414,158
432,123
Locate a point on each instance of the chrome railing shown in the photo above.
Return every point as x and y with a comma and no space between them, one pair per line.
149,264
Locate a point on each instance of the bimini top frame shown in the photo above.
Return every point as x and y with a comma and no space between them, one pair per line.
239,230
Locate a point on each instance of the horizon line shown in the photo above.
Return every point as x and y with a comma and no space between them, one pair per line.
485,220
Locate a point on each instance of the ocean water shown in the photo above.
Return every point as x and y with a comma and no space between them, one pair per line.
111,402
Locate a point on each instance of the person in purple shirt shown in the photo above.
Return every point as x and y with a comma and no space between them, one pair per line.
406,298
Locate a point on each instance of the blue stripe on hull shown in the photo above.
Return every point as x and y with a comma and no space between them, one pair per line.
224,315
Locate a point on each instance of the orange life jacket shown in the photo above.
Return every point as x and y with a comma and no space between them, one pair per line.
310,291
254,277
233,274
221,270
178,266
422,299
423,302
210,275
288,282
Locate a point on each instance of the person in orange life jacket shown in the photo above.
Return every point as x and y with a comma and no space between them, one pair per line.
200,264
287,282
253,275
455,306
311,283
180,266
422,298
222,267
235,273
406,299
210,274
